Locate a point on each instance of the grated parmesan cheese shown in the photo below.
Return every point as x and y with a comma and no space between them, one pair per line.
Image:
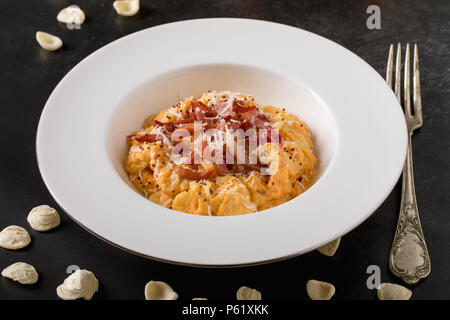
174,113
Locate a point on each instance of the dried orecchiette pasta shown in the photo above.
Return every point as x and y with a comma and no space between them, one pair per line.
80,284
319,290
126,7
158,290
48,41
43,218
246,293
72,14
21,272
14,237
392,291
330,248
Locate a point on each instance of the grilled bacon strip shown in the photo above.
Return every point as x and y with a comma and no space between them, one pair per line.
222,169
195,175
145,138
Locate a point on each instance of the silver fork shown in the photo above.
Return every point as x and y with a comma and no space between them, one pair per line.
409,257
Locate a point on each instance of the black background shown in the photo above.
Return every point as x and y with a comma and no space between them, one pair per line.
28,75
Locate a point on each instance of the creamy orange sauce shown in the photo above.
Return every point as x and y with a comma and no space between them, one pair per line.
289,164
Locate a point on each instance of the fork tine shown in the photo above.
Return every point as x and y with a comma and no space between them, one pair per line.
390,66
398,68
416,82
407,83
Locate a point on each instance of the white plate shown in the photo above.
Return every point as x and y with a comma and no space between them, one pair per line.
356,121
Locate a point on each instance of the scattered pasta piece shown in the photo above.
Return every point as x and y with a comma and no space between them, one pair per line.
48,41
199,299
71,15
330,248
246,293
126,8
391,291
80,284
43,218
319,290
14,237
21,272
158,290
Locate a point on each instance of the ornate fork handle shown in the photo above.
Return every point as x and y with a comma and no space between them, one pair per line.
409,257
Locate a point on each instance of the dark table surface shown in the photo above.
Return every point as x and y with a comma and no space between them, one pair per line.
28,75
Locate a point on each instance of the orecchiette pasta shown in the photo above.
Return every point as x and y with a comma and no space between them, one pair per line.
246,293
319,290
14,237
48,41
21,272
213,187
158,290
391,291
330,248
72,14
80,284
43,218
126,7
